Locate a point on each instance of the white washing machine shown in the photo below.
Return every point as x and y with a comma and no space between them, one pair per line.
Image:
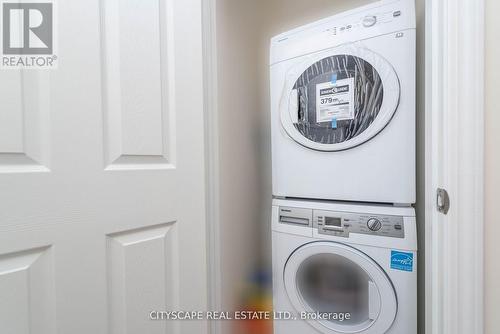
343,106
344,268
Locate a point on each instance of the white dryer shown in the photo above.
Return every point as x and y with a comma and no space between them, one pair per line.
343,106
343,268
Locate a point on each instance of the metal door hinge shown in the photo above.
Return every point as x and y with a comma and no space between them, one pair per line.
443,201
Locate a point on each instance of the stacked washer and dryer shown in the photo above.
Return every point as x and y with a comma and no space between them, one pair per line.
343,144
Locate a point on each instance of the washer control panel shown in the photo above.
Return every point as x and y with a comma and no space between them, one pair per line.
341,224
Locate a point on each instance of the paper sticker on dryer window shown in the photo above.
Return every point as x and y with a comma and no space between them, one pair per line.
335,100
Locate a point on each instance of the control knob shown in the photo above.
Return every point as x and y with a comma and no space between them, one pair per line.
369,21
374,224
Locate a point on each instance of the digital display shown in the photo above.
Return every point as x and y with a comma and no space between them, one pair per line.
331,221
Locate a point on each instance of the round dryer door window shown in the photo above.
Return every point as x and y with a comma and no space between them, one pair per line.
339,289
339,99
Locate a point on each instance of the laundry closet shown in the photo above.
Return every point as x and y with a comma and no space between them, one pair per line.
246,153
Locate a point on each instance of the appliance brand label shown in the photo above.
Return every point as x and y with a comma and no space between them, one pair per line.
401,261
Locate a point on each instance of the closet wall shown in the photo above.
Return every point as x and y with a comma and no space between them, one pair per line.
282,15
239,152
244,29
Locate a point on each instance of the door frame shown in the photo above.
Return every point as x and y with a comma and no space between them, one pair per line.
454,160
210,83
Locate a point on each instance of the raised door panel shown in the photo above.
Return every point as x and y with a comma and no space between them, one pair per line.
24,122
141,278
138,98
27,294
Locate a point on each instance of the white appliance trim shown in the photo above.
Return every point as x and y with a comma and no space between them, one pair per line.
454,161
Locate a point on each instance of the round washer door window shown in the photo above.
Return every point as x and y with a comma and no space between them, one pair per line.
339,289
339,99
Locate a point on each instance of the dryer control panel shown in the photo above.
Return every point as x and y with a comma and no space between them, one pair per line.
376,19
341,224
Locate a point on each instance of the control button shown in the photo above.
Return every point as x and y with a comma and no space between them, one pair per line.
349,26
398,227
369,21
374,224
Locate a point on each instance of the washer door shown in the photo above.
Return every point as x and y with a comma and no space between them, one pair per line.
335,280
340,98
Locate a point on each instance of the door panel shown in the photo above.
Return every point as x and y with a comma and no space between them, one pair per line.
130,254
27,290
102,174
138,49
24,123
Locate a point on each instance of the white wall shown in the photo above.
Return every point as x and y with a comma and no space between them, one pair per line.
239,125
492,177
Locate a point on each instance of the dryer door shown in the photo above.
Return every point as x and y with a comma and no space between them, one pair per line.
339,98
340,289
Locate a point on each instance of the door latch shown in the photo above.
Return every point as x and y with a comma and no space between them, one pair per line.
443,201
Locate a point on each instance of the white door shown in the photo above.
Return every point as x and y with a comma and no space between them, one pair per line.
102,174
332,278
